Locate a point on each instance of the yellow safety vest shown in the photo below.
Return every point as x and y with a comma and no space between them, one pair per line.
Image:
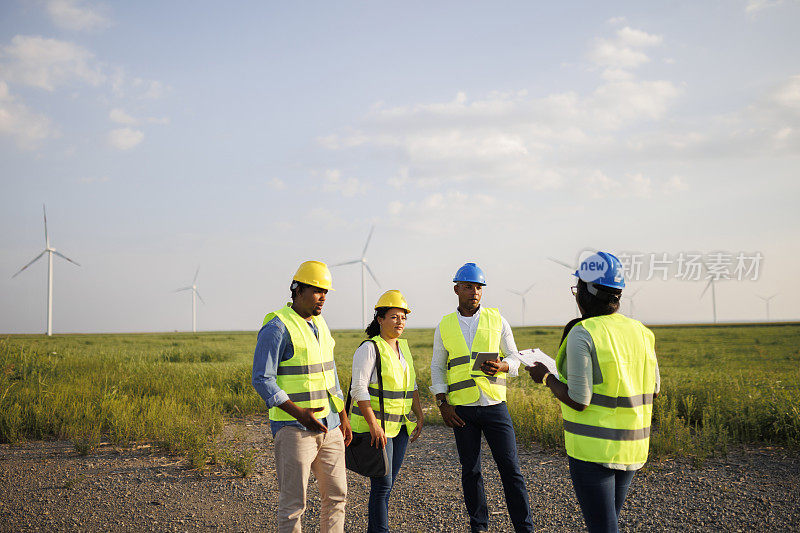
398,391
308,377
462,384
615,426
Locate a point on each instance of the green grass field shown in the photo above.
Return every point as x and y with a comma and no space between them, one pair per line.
721,385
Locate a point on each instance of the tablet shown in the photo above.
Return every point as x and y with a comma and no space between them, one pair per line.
481,357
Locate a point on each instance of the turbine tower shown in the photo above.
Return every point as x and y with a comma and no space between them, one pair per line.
766,302
712,283
49,251
630,297
195,295
572,269
522,295
364,270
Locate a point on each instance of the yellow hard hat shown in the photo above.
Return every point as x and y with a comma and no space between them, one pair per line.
314,273
393,298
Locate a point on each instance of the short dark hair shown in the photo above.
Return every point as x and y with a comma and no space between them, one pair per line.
297,287
605,302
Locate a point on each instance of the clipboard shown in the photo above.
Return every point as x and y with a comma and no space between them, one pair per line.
481,357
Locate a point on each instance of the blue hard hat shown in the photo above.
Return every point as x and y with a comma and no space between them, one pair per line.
470,272
602,268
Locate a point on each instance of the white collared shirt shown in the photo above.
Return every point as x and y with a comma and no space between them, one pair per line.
469,325
365,372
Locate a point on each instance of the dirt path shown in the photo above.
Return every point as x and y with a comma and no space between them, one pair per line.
46,486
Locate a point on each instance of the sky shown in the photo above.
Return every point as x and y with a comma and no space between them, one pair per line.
244,138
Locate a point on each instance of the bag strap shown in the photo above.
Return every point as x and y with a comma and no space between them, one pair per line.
380,385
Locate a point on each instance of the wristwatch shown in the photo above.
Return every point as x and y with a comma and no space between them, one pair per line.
441,402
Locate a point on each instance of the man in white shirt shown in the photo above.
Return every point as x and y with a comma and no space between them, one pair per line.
473,402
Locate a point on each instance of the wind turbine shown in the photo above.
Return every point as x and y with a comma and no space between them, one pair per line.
711,283
49,251
522,295
630,297
766,302
572,269
364,270
195,295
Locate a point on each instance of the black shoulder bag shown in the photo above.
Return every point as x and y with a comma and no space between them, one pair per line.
360,456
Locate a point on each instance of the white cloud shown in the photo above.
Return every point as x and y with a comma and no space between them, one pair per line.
125,138
443,213
277,184
333,182
617,20
632,185
506,138
624,51
782,134
48,63
27,128
76,15
640,186
675,184
788,94
754,6
121,117
628,36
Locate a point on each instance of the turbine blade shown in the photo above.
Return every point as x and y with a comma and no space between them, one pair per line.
562,263
347,263
184,289
46,237
514,292
707,286
198,295
195,275
528,289
369,237
371,273
634,293
29,264
62,256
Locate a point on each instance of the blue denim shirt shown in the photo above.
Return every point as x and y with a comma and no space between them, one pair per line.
275,345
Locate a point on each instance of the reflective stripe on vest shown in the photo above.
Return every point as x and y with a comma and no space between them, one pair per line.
615,426
462,385
398,390
308,377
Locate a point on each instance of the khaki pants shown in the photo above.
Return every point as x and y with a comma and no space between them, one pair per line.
297,454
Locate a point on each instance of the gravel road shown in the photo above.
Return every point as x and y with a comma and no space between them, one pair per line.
47,486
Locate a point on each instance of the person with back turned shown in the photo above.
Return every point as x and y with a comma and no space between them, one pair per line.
474,402
607,381
295,373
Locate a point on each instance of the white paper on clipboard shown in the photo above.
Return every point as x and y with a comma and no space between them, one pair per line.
528,357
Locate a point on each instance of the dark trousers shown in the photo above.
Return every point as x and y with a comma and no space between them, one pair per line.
601,492
495,424
381,487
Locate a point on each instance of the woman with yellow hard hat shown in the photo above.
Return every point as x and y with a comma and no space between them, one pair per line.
400,397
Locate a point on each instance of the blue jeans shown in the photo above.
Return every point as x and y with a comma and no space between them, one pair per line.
495,423
381,487
601,492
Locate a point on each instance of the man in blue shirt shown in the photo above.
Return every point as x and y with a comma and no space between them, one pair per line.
295,342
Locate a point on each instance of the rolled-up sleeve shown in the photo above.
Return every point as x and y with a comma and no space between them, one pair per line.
438,365
509,348
271,344
363,371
